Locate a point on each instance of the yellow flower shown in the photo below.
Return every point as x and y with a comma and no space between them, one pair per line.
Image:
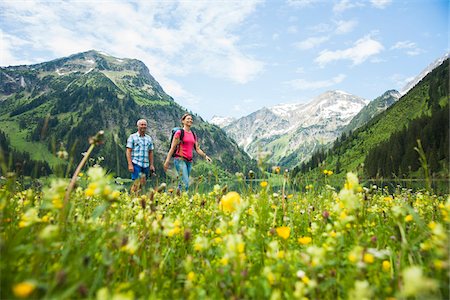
57,202
305,279
352,257
263,184
408,218
305,240
432,225
284,232
386,265
230,201
368,258
23,289
438,264
89,192
218,231
224,261
190,276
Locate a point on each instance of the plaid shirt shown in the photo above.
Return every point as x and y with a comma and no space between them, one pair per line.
140,146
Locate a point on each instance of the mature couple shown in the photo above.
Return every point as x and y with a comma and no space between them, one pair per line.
140,151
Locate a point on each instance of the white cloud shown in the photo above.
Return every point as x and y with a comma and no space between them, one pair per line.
400,81
172,38
345,26
303,84
292,29
344,5
380,3
302,3
411,47
404,45
360,52
311,42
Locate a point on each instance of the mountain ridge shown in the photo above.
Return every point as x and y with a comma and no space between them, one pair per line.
281,130
66,100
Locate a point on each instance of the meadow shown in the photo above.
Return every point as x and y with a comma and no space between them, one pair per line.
262,242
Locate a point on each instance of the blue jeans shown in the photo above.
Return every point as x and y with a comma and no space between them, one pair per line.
137,170
184,170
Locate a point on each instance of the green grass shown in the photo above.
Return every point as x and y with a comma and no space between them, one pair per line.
36,150
255,244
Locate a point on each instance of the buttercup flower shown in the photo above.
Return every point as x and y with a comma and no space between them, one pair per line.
284,232
230,202
23,289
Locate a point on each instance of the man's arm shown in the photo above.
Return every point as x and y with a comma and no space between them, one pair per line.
130,163
150,159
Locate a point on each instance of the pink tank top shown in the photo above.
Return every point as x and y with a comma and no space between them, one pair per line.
186,146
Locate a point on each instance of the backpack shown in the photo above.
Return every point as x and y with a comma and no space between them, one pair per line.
174,130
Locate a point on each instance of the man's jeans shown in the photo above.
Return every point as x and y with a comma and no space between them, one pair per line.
184,170
138,170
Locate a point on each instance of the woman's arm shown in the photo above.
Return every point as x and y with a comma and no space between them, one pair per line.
201,153
175,142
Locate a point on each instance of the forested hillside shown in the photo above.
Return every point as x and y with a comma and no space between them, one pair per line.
385,145
58,105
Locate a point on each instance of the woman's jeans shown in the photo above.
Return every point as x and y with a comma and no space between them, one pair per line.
184,170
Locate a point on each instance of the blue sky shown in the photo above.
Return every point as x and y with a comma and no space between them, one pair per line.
230,58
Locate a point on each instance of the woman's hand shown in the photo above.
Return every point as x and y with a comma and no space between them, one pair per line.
166,165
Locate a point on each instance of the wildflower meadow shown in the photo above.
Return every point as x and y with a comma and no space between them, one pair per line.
104,242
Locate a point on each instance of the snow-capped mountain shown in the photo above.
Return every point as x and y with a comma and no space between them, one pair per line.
286,128
424,73
221,121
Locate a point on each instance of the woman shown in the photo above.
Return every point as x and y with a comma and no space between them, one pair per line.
184,141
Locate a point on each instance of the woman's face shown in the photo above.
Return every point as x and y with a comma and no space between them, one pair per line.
188,120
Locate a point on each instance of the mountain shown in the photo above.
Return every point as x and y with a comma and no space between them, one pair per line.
385,146
221,121
425,71
372,109
60,103
288,133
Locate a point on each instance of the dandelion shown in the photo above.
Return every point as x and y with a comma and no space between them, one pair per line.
368,258
23,289
386,266
224,261
230,202
263,184
304,240
408,218
284,232
190,276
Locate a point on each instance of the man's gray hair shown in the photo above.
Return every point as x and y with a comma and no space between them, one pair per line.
140,121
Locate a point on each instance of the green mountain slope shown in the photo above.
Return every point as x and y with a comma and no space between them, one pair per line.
63,102
427,100
372,109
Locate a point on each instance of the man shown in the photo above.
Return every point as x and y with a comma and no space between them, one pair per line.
140,152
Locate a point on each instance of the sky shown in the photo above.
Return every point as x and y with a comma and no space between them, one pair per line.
231,58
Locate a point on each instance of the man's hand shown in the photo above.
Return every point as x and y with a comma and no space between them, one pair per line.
130,168
152,168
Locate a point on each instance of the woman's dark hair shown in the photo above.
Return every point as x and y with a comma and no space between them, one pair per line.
184,116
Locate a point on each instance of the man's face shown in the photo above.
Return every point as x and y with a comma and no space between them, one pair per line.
142,127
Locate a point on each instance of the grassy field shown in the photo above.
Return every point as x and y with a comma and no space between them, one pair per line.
258,243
